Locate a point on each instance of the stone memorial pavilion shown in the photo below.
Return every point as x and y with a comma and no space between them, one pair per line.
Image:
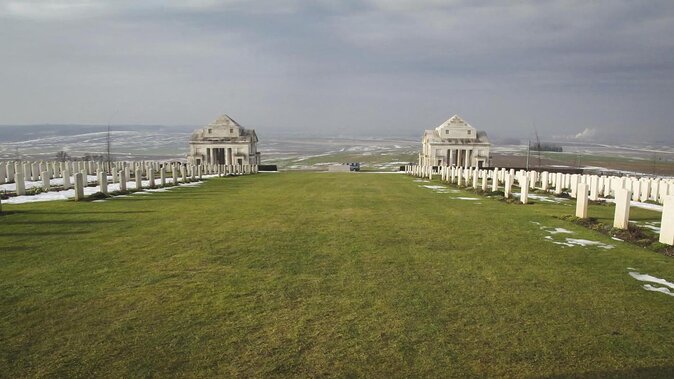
224,142
455,143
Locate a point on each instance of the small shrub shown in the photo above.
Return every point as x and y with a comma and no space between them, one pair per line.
97,196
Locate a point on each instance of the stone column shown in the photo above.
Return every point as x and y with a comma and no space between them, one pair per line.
467,162
183,172
667,223
621,217
79,186
174,171
581,200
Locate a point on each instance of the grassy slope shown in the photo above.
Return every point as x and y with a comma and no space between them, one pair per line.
313,274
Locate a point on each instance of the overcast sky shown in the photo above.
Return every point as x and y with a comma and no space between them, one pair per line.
368,67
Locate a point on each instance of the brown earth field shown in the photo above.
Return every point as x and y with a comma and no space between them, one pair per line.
613,163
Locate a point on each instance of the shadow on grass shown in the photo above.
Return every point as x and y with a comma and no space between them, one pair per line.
16,249
37,212
62,222
39,234
639,372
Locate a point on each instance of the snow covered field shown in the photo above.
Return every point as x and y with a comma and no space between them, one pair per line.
70,193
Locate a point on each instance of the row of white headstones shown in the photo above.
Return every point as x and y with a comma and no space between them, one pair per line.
74,173
581,187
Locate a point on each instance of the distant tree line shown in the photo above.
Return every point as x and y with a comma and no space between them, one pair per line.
63,156
546,147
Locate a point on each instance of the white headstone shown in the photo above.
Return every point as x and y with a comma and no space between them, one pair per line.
524,189
667,223
594,188
66,179
139,179
645,190
507,186
574,185
45,180
79,186
621,217
122,181
103,182
20,183
581,200
636,189
3,172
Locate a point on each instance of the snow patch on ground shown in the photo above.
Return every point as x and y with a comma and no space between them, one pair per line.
653,279
112,187
567,241
638,204
664,290
651,225
570,242
438,189
543,198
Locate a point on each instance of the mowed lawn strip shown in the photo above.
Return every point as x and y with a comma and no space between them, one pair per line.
308,274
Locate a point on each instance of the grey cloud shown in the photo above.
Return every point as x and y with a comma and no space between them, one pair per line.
375,66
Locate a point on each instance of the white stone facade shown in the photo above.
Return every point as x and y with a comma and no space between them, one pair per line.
224,142
455,143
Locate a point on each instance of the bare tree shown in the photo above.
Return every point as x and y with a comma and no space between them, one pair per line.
62,156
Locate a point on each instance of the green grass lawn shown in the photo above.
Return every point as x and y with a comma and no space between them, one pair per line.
316,274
